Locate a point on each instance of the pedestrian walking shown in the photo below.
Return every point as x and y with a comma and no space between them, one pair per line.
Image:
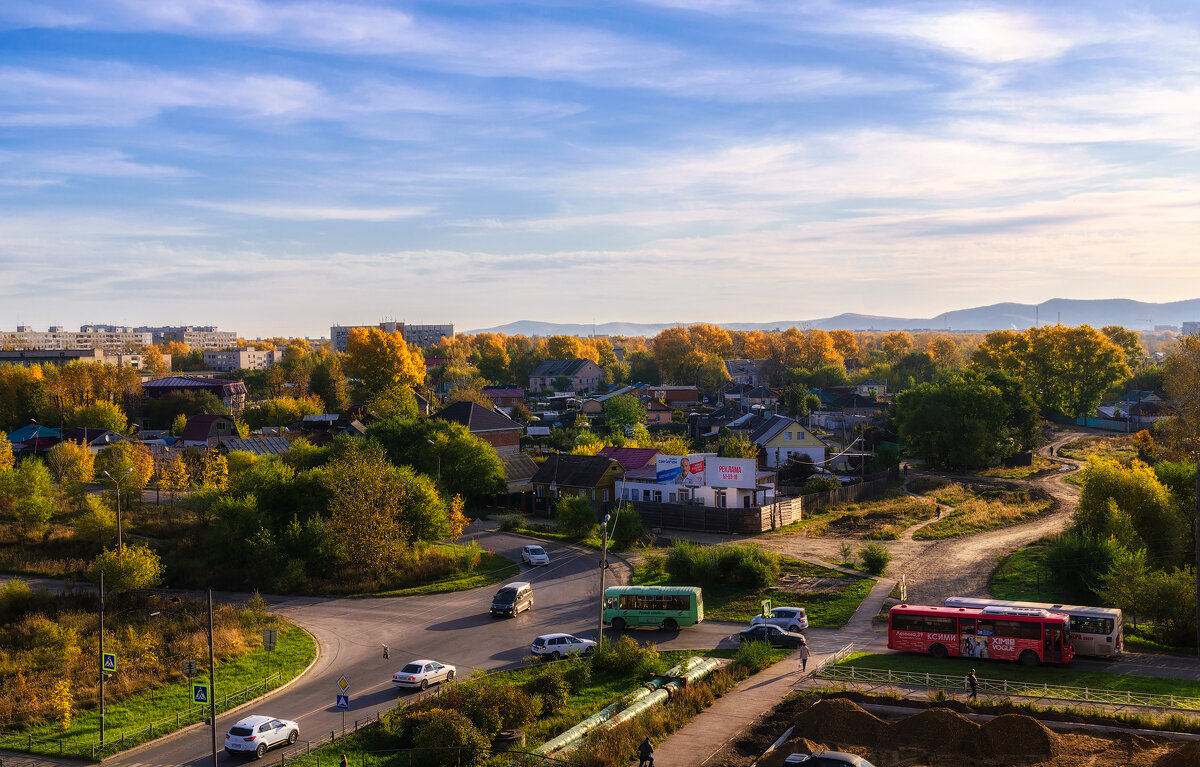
973,683
803,653
906,469
387,653
646,754
344,762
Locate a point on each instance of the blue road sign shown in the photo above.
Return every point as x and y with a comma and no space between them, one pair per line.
343,702
199,693
108,661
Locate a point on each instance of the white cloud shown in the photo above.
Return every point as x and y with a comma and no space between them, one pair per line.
308,212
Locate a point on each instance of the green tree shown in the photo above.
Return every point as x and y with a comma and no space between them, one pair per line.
623,410
136,567
101,415
178,425
1129,341
576,517
27,493
119,457
1130,505
328,381
469,466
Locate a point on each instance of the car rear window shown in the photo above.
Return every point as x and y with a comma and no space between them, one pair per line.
411,668
540,640
238,730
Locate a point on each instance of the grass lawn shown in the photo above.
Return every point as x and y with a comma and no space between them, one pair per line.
1022,576
492,568
980,508
131,715
1118,448
738,604
1014,672
883,519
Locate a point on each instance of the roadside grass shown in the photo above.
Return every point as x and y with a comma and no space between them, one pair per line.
1014,672
1117,448
825,609
882,519
492,568
1022,576
126,716
1038,466
549,533
978,509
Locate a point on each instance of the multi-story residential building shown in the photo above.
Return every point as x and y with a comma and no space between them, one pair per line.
199,337
423,336
29,357
111,340
240,359
1191,328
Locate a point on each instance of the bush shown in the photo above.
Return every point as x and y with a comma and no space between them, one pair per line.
495,705
577,670
451,738
821,485
744,564
875,558
510,522
846,552
753,656
553,688
576,517
1076,561
628,528
626,656
97,525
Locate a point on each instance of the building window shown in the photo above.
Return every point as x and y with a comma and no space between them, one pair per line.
789,437
720,499
672,497
605,495
645,495
658,496
800,436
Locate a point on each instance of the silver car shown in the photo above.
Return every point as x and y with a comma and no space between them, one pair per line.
786,618
256,734
422,673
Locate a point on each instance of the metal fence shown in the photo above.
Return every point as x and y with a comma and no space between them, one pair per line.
1009,688
118,741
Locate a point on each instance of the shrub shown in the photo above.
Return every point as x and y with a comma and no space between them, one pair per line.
1076,561
576,517
628,528
451,738
495,705
875,557
744,564
553,688
626,656
753,656
97,525
510,522
577,670
846,552
821,485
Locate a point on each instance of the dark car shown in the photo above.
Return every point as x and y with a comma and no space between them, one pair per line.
828,759
776,636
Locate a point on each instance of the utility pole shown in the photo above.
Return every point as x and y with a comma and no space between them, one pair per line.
603,567
212,682
101,659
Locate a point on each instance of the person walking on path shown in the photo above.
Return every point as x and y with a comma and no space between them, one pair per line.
973,683
646,754
803,653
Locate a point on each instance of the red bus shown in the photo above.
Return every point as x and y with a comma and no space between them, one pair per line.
1029,635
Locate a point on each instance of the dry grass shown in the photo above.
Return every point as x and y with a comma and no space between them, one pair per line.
1117,448
883,519
1039,465
981,508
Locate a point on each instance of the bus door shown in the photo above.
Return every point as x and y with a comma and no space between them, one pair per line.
1053,649
968,643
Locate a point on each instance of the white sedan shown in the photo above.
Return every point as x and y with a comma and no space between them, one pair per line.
255,734
786,618
534,555
558,645
422,673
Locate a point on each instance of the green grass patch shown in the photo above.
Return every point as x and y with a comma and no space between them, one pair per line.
1022,576
1118,448
492,568
881,519
1013,672
826,609
169,707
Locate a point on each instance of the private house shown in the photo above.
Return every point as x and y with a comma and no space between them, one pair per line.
494,428
505,396
761,397
595,405
583,375
256,445
93,439
631,457
658,412
231,393
676,396
727,483
781,439
749,372
871,388
589,476
207,430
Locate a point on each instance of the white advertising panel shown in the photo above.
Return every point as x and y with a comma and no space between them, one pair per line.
732,472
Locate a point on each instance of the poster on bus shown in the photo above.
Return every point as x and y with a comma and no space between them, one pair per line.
732,472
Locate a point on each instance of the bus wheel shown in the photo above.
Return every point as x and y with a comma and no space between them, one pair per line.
618,624
938,651
1029,658
670,625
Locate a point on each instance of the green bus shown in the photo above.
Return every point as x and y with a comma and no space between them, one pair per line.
668,606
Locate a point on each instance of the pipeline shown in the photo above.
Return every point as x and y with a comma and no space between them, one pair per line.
662,694
569,738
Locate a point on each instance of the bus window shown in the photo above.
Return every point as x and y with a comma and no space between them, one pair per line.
966,626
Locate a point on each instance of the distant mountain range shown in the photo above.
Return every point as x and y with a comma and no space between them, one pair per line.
1135,315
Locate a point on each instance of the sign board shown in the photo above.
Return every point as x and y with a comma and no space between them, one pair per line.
732,472
199,692
189,667
108,661
766,606
903,589
269,637
343,702
343,683
687,470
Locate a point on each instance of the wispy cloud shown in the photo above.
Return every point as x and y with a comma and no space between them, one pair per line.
309,212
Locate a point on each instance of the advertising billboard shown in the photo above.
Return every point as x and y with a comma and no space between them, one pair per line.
732,472
687,470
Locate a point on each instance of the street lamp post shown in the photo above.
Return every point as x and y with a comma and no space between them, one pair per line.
603,567
117,485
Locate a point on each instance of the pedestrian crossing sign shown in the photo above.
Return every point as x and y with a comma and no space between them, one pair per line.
766,608
199,693
108,661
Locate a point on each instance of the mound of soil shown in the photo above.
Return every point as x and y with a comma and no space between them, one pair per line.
1185,756
935,729
841,721
1016,735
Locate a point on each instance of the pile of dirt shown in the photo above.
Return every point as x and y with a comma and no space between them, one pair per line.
936,729
843,722
1016,735
1184,756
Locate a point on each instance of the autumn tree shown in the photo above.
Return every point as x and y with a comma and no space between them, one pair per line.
710,340
328,381
1129,341
895,345
6,453
1130,505
672,349
382,360
491,357
759,346
817,350
944,352
101,415
564,348
117,458
73,465
133,567
27,495
214,471
844,343
457,518
153,363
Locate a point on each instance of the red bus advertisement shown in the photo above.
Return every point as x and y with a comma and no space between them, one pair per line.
1030,636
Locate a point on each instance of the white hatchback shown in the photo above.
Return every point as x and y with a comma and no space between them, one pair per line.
534,555
786,618
255,734
558,645
422,673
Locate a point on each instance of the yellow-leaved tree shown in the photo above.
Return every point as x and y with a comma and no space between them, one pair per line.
458,519
382,360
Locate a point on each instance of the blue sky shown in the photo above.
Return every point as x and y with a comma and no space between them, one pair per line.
277,167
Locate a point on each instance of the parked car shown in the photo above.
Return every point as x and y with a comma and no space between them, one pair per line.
534,555
790,618
828,759
512,599
422,673
776,636
256,734
558,645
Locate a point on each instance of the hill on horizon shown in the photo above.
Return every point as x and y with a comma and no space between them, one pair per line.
1135,315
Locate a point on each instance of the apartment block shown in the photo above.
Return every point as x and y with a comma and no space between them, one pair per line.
110,339
423,336
1191,328
240,359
